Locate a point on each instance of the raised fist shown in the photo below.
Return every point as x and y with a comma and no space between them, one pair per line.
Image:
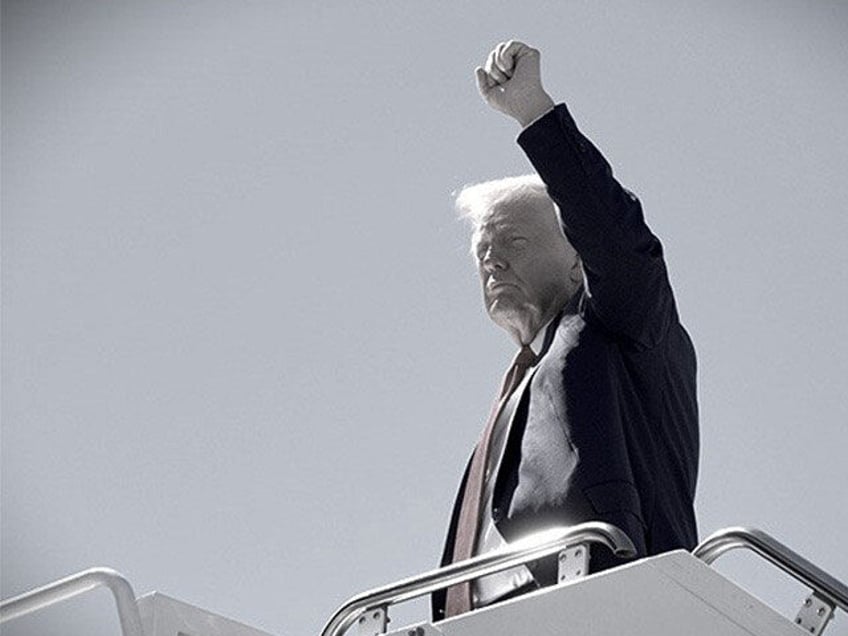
511,82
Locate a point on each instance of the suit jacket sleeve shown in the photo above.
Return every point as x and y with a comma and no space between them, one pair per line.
625,275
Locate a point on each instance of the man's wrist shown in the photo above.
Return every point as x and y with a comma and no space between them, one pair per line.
538,108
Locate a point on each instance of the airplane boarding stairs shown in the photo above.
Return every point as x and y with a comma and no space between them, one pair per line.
669,594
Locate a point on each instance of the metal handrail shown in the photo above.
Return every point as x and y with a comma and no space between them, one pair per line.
75,585
772,550
534,547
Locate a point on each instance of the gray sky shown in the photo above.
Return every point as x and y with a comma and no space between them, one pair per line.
244,354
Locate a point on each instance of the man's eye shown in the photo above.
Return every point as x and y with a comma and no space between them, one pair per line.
518,241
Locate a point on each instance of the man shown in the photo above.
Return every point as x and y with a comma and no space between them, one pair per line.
597,419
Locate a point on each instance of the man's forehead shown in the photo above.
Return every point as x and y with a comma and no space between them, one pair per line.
516,213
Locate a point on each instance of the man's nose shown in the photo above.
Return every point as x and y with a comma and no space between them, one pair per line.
492,262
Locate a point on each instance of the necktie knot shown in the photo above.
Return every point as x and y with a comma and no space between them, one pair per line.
525,357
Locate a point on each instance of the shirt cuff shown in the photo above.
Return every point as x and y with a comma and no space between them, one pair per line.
538,118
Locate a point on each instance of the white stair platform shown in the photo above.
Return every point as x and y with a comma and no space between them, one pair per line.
668,595
672,594
165,616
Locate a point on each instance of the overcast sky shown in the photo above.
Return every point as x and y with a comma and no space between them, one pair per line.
244,357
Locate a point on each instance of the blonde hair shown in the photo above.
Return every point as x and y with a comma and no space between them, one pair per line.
476,202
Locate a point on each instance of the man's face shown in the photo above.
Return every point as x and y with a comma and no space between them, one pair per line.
525,264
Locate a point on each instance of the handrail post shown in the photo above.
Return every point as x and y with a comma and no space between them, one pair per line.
74,585
828,592
533,547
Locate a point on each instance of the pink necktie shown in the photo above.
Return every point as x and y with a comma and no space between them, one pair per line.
458,598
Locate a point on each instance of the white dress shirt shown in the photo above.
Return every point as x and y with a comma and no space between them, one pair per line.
490,588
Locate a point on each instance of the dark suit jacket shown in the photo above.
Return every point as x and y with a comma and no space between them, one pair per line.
607,427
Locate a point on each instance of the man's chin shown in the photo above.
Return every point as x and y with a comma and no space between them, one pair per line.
503,309
511,316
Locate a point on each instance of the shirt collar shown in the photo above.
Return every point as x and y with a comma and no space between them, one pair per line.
538,343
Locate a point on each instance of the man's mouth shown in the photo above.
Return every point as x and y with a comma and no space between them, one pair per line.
498,285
